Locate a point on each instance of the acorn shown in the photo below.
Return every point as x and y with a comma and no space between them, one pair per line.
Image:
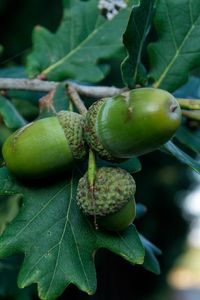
45,147
111,199
132,124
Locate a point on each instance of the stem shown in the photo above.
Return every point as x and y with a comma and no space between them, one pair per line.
74,96
193,115
91,168
38,85
91,180
192,104
76,100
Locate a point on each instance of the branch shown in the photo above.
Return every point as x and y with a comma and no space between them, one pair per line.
38,85
191,104
193,115
78,103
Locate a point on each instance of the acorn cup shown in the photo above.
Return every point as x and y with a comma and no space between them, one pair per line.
45,147
131,124
111,201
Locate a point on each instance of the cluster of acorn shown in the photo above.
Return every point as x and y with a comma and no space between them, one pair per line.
117,128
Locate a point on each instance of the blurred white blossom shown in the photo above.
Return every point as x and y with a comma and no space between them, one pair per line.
111,7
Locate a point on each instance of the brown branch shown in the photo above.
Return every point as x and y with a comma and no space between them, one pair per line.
38,85
78,103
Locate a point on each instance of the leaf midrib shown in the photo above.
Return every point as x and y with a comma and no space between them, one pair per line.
142,43
76,49
178,51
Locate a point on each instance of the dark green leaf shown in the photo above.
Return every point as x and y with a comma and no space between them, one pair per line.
60,101
19,72
189,90
13,72
82,41
9,269
150,261
171,148
188,138
58,241
177,50
11,117
134,38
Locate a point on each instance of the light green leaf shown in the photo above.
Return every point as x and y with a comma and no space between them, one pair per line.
83,40
177,50
134,38
57,240
9,207
11,117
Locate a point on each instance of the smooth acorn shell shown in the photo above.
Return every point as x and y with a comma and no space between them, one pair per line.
121,219
134,123
39,149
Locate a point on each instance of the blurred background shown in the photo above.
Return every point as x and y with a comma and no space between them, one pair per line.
169,190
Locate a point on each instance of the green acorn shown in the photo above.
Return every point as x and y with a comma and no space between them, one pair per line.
132,124
111,198
45,147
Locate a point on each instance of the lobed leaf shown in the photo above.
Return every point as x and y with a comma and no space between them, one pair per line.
177,50
57,241
83,40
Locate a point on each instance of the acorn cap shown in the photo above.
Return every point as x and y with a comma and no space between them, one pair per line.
90,130
113,188
72,124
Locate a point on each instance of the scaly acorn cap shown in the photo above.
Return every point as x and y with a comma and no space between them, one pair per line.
113,188
90,131
72,124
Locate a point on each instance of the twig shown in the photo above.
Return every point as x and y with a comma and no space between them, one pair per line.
38,85
193,115
27,84
74,96
191,104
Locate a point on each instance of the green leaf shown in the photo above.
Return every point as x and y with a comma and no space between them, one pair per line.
60,101
19,72
83,40
9,207
188,138
11,117
150,261
177,50
172,149
57,240
134,39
